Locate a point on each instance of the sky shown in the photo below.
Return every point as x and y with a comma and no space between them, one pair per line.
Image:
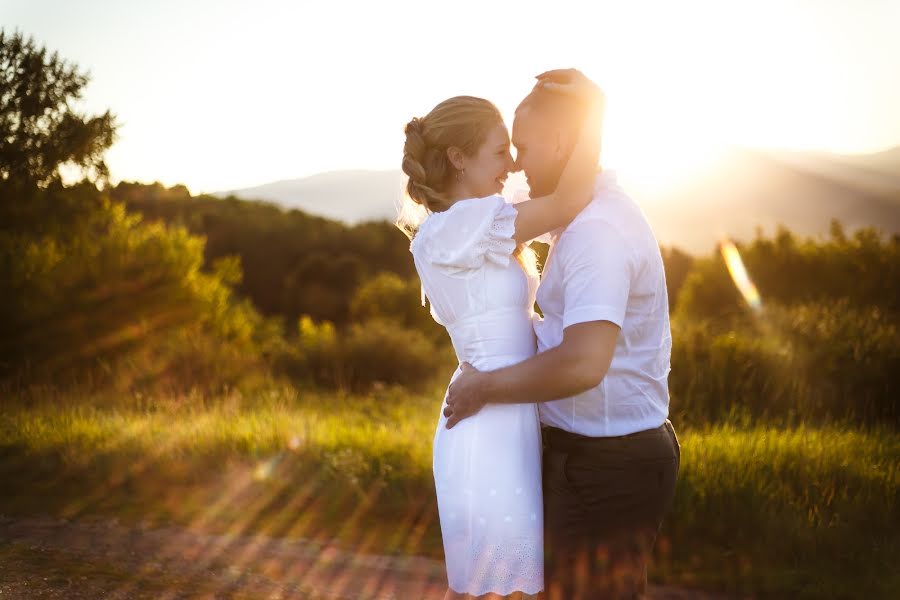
226,94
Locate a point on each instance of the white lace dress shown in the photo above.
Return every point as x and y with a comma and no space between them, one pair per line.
487,469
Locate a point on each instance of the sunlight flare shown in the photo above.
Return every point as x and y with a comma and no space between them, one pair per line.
739,274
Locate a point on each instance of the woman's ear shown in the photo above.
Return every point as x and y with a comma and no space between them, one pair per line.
456,157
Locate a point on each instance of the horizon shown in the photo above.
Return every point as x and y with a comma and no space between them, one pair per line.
724,151
172,98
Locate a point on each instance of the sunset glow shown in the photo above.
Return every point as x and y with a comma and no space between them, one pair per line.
237,94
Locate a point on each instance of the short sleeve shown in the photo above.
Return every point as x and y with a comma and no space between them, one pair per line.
472,232
597,270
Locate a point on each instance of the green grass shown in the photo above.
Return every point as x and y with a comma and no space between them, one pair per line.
804,512
809,510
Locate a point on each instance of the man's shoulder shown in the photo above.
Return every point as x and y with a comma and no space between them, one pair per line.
608,211
613,223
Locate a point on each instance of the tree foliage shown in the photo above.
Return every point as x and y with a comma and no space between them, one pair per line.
40,126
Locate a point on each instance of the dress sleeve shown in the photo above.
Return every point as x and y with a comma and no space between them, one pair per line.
470,233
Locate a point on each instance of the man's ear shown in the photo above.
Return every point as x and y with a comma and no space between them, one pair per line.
456,157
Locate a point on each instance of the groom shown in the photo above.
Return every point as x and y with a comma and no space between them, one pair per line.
610,454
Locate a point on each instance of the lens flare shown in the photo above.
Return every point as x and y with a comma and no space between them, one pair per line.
739,274
265,469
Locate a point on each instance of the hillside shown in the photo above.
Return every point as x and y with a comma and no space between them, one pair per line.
744,189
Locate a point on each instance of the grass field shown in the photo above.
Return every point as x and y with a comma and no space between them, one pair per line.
804,512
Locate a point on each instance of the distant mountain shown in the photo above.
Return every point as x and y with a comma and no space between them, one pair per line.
877,173
742,190
349,196
747,189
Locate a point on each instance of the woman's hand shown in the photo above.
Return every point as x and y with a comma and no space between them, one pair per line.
572,82
575,187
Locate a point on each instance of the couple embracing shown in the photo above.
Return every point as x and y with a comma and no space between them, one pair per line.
554,459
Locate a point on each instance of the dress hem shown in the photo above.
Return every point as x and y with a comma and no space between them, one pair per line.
493,591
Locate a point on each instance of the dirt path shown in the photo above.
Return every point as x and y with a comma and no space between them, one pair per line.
44,557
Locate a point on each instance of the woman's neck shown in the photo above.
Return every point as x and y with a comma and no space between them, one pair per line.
458,191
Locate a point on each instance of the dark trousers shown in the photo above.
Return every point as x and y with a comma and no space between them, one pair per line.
604,502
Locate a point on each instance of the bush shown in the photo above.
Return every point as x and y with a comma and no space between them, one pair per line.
723,376
379,350
389,297
98,285
365,355
864,269
822,346
808,362
849,357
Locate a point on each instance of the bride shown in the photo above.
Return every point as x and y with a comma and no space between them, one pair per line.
471,255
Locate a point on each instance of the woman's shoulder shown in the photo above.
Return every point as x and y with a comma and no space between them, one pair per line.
468,233
462,216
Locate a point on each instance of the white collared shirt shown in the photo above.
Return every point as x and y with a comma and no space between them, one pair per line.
606,266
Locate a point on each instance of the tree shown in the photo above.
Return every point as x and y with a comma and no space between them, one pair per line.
40,130
90,292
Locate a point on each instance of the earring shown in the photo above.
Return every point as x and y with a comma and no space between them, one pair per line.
459,174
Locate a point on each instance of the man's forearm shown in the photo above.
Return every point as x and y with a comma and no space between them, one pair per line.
559,372
579,363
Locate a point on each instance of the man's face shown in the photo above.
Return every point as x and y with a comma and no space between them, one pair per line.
538,152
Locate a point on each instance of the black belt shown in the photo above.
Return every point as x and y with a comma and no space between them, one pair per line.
560,439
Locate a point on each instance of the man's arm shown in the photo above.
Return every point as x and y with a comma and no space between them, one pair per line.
597,270
579,363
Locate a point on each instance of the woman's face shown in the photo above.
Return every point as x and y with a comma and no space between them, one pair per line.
487,170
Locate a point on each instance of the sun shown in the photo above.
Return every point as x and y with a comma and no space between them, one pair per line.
657,154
